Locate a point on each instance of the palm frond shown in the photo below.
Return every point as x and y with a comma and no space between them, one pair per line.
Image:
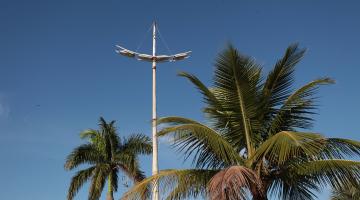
132,170
207,146
295,111
233,182
90,134
209,97
191,184
294,187
214,109
111,138
277,86
96,138
292,184
335,172
137,144
339,148
84,154
78,180
177,184
287,145
175,120
98,181
349,191
218,114
236,85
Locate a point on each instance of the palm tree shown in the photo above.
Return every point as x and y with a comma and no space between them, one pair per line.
349,191
255,143
106,154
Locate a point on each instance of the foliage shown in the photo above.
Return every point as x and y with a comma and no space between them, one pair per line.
106,154
256,143
350,191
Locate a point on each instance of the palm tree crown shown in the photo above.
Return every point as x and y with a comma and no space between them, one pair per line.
350,191
106,154
254,144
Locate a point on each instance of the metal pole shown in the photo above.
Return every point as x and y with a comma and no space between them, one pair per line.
153,58
155,170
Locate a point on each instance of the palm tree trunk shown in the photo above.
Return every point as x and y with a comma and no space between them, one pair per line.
260,197
109,196
258,194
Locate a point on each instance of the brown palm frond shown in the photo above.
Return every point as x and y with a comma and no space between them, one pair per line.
233,183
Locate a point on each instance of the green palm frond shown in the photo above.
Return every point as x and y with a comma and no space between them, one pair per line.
111,139
335,172
90,134
207,146
78,180
339,148
129,164
191,184
214,109
138,144
128,159
287,145
94,137
236,85
294,187
175,120
277,86
84,154
350,191
217,114
181,184
294,113
209,97
98,182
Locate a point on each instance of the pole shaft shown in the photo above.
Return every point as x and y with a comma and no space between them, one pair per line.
155,165
155,170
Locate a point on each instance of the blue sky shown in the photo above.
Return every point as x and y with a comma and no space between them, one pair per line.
59,72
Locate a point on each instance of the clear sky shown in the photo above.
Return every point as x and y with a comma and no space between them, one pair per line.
59,72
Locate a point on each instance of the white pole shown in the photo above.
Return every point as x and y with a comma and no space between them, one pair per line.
128,53
155,170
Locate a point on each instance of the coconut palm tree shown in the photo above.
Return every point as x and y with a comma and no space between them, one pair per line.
105,154
256,141
349,191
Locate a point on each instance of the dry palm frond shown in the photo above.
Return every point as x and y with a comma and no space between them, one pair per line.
233,183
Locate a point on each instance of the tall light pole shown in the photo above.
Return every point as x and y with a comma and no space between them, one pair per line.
154,59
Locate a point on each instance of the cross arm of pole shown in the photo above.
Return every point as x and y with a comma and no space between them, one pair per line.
146,57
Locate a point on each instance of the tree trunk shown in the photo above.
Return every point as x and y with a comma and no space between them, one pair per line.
109,196
260,198
259,194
